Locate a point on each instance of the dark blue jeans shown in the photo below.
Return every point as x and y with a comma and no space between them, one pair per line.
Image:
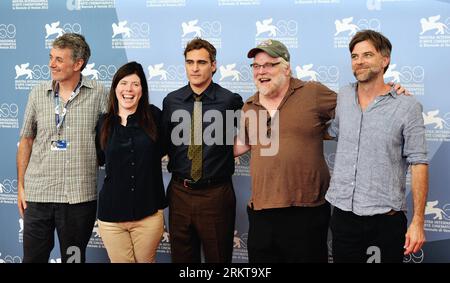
73,223
378,238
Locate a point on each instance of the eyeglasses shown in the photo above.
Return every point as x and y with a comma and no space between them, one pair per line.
267,66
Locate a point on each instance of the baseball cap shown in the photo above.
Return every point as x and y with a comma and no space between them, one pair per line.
272,47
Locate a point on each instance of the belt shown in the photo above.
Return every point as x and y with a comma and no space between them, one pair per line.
202,183
391,212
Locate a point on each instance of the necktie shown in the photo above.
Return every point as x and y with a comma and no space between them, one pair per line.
195,147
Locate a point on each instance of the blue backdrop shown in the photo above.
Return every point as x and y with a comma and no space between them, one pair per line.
154,33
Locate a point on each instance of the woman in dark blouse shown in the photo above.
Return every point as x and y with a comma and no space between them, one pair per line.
132,198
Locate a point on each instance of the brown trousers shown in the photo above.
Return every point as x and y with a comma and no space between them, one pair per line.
201,218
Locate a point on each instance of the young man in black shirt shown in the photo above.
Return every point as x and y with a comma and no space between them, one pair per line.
202,203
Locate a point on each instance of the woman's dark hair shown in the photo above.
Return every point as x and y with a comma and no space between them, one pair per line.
143,114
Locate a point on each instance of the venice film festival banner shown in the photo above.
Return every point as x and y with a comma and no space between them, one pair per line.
154,33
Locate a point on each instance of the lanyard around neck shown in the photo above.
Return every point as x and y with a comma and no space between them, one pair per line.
60,115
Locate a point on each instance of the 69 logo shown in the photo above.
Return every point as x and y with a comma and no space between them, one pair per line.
9,110
7,31
8,186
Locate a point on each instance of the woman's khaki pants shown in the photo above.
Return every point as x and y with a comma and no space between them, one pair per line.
133,241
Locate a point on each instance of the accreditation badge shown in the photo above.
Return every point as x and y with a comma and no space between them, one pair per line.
58,145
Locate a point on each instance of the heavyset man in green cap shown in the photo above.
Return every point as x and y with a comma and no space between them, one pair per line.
288,214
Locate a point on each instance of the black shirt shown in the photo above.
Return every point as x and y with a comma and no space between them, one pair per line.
218,160
133,187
